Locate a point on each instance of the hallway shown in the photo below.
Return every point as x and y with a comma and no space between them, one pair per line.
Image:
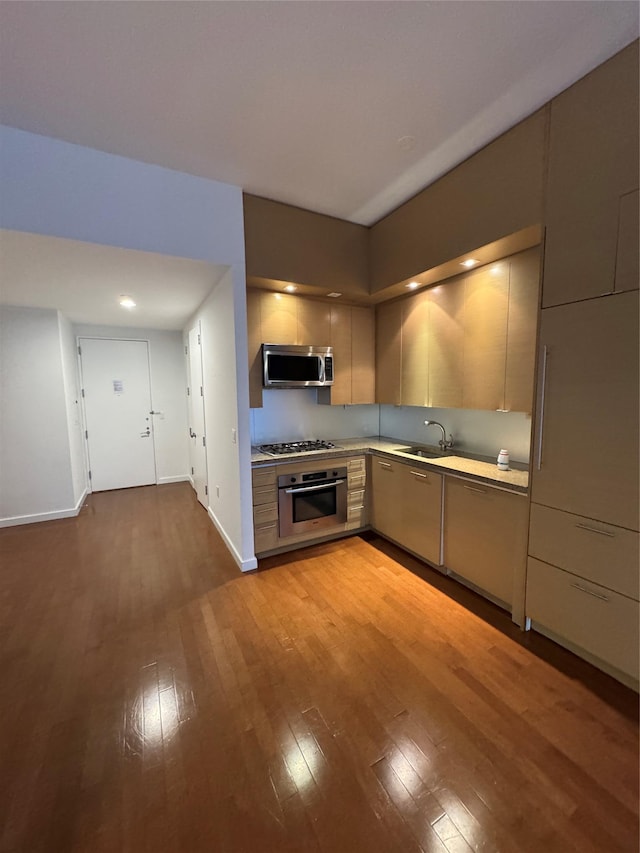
343,698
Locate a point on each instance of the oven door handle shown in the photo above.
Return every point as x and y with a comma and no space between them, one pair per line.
314,488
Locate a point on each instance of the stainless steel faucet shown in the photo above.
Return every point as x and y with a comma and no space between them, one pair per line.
444,444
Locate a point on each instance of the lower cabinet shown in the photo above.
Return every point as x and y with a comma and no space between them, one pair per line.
589,617
485,539
406,506
583,586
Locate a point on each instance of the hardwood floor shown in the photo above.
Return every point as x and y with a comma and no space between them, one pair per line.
341,699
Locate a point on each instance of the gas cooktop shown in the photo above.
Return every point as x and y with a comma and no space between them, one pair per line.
296,447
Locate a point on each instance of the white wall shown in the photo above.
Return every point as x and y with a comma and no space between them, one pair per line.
294,415
226,453
35,464
72,400
63,190
478,432
167,366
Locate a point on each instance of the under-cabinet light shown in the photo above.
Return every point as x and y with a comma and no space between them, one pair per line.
470,262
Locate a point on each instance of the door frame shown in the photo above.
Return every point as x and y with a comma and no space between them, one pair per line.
87,459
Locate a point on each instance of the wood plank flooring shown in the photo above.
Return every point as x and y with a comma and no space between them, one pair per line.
343,698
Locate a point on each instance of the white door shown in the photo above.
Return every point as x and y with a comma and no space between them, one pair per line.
197,441
117,406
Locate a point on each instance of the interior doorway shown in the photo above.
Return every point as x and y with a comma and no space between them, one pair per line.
116,392
197,431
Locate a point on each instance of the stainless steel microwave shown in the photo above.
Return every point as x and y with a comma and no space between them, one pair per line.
289,366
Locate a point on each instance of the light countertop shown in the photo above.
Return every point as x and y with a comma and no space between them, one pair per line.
469,465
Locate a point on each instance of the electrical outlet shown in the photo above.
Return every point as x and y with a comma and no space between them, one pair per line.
233,435
217,491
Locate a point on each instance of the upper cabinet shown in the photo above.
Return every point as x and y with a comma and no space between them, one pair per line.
591,211
282,318
285,243
467,343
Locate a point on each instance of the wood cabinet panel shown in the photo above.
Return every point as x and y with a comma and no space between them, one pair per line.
603,623
414,382
586,458
522,325
446,344
363,355
314,322
421,496
388,352
497,191
341,343
485,537
279,318
593,160
628,251
386,497
601,553
486,302
286,243
254,338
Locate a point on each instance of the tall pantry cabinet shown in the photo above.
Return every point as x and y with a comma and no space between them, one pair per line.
582,578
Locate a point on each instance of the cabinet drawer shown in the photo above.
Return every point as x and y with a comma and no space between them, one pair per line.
356,464
264,476
603,623
356,481
265,512
356,516
355,497
264,494
265,537
599,552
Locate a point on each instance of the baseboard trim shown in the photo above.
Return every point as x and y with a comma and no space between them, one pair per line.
177,478
15,520
243,565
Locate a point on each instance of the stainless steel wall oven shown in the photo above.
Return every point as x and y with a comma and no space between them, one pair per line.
314,500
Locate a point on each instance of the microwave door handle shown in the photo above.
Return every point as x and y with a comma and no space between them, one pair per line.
314,488
322,373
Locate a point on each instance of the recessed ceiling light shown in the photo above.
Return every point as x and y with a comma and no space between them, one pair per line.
127,302
412,285
334,295
470,262
290,288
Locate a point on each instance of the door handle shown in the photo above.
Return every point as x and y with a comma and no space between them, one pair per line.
146,433
191,433
543,395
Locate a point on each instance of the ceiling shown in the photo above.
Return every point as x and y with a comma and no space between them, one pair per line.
345,108
85,281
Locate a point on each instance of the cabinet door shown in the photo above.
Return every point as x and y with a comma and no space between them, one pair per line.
627,266
486,300
386,495
522,325
414,383
363,355
485,536
314,322
388,352
586,441
341,343
446,344
279,318
591,617
254,338
593,160
421,496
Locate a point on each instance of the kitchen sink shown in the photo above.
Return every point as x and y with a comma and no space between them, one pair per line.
422,452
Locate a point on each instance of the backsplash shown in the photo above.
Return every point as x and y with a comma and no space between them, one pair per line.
476,431
294,415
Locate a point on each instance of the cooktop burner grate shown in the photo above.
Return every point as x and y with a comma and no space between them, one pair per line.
295,447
